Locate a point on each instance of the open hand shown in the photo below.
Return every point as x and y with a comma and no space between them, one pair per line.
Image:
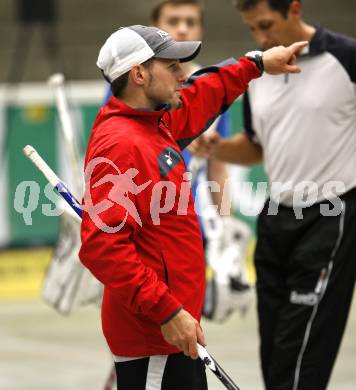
204,145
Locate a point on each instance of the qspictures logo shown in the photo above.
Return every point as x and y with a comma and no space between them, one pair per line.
123,186
119,191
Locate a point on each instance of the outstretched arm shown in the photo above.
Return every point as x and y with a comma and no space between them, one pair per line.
210,91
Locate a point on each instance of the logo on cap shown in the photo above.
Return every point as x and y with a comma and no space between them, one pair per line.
162,34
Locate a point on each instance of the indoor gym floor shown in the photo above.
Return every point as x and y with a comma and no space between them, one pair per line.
42,350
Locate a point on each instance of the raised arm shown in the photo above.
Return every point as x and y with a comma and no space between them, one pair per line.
210,91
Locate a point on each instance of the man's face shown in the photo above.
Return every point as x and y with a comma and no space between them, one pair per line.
182,22
164,83
268,27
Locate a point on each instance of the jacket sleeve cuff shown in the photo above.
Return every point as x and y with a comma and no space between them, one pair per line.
253,71
171,316
167,307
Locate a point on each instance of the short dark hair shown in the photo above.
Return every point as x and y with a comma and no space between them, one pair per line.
119,84
157,9
281,6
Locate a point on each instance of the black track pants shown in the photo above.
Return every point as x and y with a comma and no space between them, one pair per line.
173,372
306,272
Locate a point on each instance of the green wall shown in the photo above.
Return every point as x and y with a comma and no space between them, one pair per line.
38,125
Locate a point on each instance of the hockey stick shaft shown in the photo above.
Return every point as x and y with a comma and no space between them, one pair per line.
63,191
212,364
195,165
56,81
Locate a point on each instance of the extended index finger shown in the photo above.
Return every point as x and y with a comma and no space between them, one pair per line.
297,46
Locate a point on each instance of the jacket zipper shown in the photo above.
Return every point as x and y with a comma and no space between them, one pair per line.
165,269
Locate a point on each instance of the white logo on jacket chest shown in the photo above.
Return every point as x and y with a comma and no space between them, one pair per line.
169,160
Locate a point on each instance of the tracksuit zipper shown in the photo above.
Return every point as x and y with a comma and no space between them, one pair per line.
165,269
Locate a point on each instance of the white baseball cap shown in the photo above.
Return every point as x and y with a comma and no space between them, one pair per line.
134,45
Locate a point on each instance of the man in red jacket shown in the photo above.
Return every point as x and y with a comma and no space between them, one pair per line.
140,233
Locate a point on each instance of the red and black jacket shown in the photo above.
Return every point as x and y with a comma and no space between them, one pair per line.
154,264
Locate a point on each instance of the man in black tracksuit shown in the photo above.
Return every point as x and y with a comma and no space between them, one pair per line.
304,129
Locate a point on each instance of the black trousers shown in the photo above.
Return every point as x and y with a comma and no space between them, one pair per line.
306,272
172,372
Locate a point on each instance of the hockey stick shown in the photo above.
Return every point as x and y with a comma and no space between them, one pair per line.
212,364
55,181
56,81
195,165
63,191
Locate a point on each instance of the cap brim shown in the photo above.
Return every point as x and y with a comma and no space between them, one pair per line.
182,51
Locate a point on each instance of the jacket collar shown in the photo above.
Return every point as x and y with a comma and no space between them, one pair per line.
116,106
318,42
